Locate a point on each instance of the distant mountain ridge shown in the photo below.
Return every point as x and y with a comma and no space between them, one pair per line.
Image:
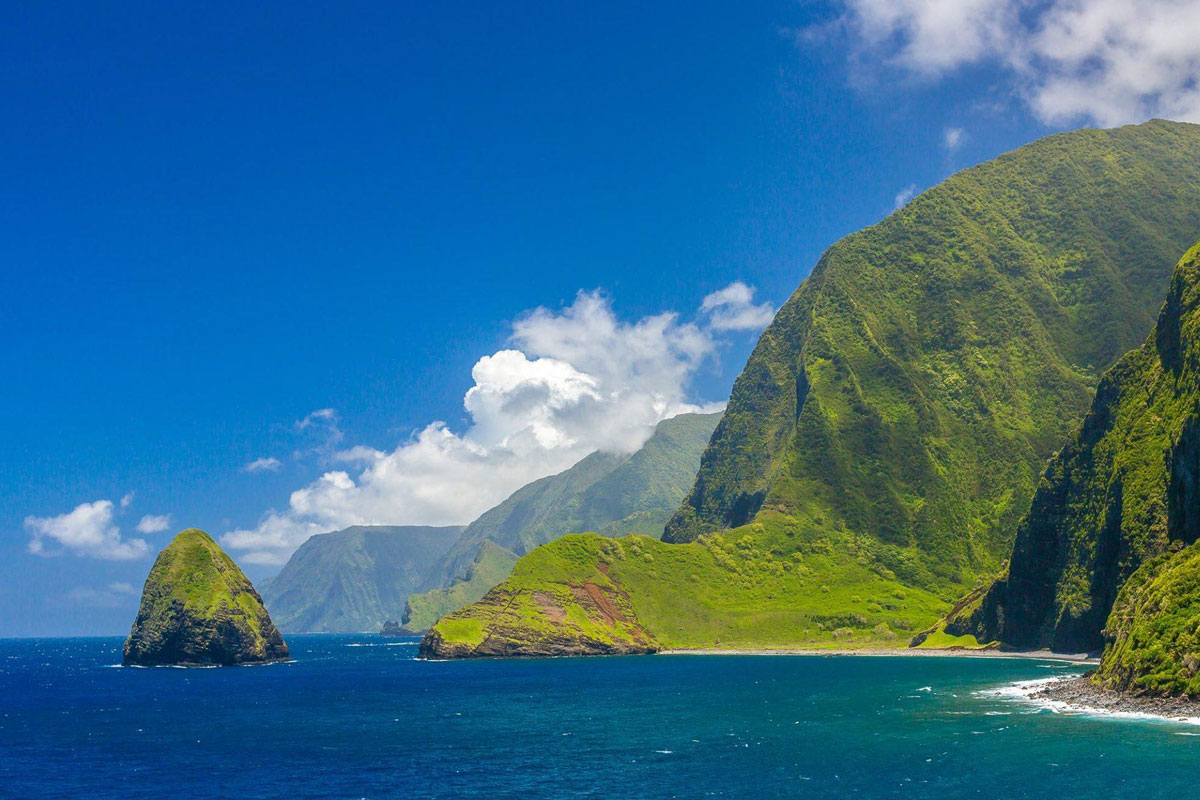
607,493
611,494
354,579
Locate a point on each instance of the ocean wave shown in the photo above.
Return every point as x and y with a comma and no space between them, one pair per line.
1028,692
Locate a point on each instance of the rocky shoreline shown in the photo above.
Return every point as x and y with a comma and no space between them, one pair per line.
1079,693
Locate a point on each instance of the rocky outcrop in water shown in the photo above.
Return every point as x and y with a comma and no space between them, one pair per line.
199,609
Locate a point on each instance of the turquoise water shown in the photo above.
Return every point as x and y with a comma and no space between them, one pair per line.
352,717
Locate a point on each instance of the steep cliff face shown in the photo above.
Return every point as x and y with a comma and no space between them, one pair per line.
199,609
914,385
1153,631
355,579
1121,491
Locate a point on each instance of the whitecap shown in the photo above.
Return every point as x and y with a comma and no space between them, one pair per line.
1024,691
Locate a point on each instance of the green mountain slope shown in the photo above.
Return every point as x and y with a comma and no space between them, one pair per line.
355,579
607,493
1124,488
492,565
897,413
198,608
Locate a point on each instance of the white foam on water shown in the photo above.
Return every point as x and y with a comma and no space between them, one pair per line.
1024,691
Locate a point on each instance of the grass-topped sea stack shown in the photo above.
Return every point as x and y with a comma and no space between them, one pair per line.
199,609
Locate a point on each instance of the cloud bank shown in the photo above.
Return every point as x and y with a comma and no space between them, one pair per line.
1108,62
572,382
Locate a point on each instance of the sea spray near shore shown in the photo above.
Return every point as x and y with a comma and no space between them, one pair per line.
1076,694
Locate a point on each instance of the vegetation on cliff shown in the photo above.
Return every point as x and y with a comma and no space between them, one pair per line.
199,609
1124,487
903,403
355,579
1154,629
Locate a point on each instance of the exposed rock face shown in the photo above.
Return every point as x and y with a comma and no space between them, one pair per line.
588,614
392,630
1120,493
198,608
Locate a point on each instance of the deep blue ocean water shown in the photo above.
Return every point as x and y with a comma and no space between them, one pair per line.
357,717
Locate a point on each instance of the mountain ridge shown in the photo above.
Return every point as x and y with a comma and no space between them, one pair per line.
888,431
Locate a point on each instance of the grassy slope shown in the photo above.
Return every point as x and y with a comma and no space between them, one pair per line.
905,399
1122,489
355,579
195,577
771,583
612,494
491,566
1155,629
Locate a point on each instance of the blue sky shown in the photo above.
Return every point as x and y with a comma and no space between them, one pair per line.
221,219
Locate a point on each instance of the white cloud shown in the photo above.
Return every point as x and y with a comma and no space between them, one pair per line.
1105,61
733,309
153,523
903,196
88,530
127,500
953,139
266,464
573,381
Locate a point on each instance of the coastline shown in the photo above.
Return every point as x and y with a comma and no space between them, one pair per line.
907,652
1078,695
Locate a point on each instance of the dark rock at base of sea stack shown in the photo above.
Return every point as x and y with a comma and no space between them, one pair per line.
392,630
199,609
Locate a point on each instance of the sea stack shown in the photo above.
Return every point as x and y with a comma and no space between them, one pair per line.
199,609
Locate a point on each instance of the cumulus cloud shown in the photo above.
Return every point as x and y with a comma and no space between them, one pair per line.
87,530
953,139
153,523
572,381
903,196
1105,61
266,464
733,309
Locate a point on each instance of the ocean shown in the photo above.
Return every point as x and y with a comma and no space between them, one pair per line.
360,717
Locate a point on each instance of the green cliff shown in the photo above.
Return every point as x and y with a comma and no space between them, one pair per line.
199,609
355,579
1123,489
611,494
888,431
1154,630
